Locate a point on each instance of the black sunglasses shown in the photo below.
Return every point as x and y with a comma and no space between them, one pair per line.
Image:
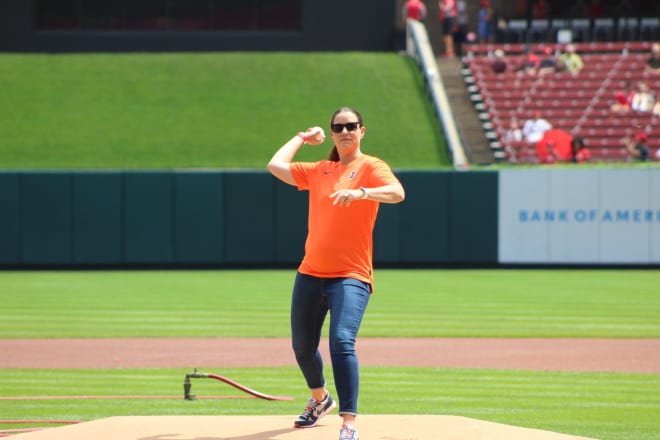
350,126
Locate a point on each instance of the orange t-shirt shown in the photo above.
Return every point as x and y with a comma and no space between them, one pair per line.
340,239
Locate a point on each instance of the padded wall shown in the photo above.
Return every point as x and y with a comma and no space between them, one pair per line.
227,218
10,220
97,218
473,217
198,217
148,217
46,218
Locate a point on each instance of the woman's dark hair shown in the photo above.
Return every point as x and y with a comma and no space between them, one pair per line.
334,154
577,143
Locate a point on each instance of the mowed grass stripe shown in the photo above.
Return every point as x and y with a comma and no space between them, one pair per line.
598,405
409,303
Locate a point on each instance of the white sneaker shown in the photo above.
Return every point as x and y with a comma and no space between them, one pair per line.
348,432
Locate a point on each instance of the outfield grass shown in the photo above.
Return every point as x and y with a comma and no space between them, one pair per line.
417,303
481,303
206,110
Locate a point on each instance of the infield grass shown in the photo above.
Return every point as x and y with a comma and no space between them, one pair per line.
607,406
429,303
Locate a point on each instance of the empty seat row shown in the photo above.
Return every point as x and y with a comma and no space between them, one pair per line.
544,105
543,93
604,29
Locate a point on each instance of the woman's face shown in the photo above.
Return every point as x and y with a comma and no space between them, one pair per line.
350,134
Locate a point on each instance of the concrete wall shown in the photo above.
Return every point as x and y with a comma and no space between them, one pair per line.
325,26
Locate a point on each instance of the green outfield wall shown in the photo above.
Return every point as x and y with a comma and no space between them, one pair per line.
227,218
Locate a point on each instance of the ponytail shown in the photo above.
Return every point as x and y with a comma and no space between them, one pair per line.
334,154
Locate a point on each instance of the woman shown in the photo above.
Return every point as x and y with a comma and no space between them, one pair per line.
336,273
580,151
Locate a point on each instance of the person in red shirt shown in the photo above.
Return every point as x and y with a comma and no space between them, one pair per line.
529,63
623,99
448,11
414,9
336,273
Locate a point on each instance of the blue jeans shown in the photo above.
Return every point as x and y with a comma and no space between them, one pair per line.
346,299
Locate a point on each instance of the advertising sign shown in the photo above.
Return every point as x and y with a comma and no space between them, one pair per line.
579,216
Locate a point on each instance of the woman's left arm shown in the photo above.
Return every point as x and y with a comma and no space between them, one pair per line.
390,193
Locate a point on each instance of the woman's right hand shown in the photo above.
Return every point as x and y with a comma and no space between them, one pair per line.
314,136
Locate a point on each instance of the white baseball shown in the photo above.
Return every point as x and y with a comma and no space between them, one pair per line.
318,134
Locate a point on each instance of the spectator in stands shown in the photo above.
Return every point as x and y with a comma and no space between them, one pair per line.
513,133
548,63
447,16
529,63
580,151
623,99
541,9
485,22
653,62
498,65
554,146
642,101
637,147
570,61
512,139
534,128
414,9
461,28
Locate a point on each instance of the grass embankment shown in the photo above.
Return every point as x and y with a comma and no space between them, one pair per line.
208,110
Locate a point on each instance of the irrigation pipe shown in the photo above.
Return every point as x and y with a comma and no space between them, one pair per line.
187,385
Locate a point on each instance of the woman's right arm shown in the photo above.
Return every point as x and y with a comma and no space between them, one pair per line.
280,164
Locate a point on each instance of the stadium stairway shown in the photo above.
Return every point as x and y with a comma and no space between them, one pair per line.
471,132
470,127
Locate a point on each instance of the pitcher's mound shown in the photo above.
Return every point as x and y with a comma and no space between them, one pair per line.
382,427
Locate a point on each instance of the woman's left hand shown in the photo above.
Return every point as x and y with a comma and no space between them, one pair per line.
344,197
